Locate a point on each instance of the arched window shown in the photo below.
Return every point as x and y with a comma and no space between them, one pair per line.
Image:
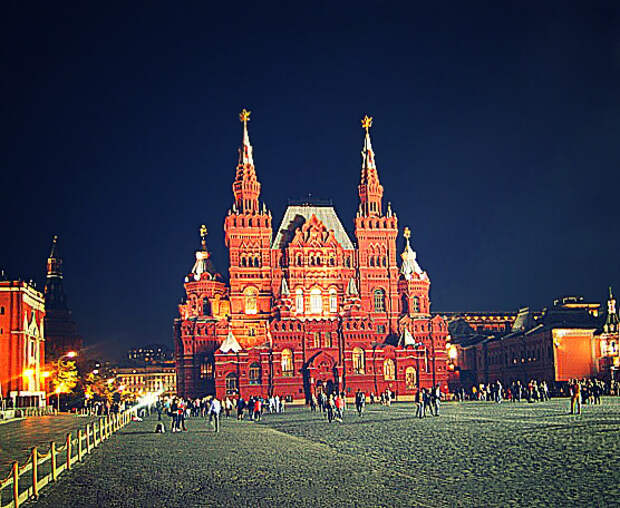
371,261
416,304
411,378
255,374
379,299
299,301
250,295
333,300
347,262
328,339
243,261
332,260
359,363
287,362
389,370
316,301
299,259
384,261
232,383
206,307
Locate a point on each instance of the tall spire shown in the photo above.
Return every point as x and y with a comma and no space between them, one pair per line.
54,291
370,189
611,320
246,187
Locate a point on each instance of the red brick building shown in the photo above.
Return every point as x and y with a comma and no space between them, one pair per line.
22,343
306,309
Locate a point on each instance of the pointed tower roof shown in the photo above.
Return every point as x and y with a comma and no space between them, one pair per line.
369,167
406,339
370,189
230,344
245,153
54,291
410,268
203,262
611,320
246,187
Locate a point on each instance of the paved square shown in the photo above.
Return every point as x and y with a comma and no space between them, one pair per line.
473,454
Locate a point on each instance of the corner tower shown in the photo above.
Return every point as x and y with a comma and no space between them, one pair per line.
60,330
248,238
376,234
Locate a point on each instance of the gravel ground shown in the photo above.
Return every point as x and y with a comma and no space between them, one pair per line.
473,454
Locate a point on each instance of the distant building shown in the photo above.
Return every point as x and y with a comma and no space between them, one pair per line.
60,330
139,381
493,321
569,340
22,343
151,353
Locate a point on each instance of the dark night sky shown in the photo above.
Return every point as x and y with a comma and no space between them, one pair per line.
496,134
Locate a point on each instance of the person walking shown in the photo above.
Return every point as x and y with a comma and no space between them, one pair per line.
575,399
215,410
419,408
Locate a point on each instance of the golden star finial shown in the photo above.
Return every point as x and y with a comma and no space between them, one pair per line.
366,122
203,231
244,116
407,233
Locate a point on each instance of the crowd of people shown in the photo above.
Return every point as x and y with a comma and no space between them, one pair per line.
179,409
332,406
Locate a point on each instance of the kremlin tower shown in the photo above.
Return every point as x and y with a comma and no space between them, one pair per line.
61,334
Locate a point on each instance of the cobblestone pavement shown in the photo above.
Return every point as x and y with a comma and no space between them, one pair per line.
17,438
473,454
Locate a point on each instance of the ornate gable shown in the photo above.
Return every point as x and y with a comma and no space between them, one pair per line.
314,233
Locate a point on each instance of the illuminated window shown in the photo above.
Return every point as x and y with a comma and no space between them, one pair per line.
232,383
287,363
206,369
333,301
299,301
255,374
316,301
250,295
379,300
317,339
410,378
389,370
359,364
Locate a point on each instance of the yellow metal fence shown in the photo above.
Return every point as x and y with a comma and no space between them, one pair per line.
25,482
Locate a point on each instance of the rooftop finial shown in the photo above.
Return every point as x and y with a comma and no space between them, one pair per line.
244,116
407,234
367,122
203,236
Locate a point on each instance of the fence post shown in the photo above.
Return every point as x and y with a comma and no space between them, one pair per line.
16,484
68,451
87,438
35,471
53,459
79,445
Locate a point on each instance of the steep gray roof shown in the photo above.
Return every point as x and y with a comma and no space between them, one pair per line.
296,216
